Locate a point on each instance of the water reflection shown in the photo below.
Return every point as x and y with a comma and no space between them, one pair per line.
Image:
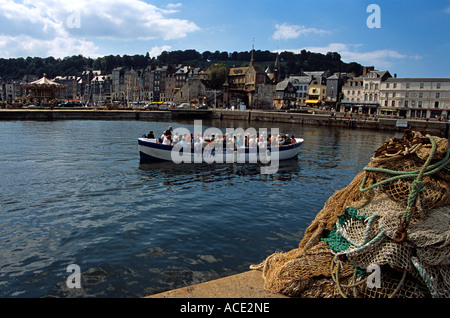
209,173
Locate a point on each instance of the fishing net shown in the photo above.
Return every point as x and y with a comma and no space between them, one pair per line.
387,234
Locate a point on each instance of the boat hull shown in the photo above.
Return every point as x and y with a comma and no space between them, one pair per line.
151,151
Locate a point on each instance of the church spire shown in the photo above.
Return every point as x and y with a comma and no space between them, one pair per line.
276,69
252,59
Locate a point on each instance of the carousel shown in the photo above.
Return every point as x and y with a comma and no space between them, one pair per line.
43,91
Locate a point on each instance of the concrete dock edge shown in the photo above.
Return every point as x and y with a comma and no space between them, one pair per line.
245,285
434,127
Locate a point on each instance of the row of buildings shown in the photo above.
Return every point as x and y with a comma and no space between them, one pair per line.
373,93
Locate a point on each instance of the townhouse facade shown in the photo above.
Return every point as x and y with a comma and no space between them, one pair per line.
301,84
100,89
74,87
378,93
416,97
285,95
10,90
362,94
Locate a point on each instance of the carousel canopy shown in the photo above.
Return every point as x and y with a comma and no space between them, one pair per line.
44,82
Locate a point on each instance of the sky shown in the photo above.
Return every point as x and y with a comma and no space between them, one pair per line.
410,38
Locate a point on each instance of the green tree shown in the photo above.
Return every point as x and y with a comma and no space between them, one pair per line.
218,75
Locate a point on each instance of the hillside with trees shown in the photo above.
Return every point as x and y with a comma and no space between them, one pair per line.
291,63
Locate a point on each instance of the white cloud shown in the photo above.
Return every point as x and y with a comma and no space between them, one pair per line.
157,50
54,27
286,31
58,47
381,59
174,5
447,10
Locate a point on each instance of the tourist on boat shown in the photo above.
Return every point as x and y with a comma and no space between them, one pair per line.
175,138
293,140
151,135
239,141
183,142
168,132
253,142
167,140
197,144
286,140
205,141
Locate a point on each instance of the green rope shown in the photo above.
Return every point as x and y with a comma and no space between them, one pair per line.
335,277
417,185
425,277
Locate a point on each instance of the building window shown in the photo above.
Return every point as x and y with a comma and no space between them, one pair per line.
407,85
421,85
413,103
419,103
387,85
406,95
438,95
420,95
406,103
438,85
393,104
436,104
395,85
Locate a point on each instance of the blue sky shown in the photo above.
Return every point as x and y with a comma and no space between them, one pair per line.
413,40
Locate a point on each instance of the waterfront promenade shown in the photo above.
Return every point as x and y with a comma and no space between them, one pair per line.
432,126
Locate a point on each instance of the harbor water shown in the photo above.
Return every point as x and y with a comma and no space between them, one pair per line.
74,192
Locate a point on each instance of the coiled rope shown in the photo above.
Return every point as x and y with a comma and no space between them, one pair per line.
417,185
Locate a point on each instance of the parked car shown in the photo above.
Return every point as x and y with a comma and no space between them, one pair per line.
184,106
202,107
71,104
151,106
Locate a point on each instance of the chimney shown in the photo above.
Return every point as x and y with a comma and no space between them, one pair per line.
367,70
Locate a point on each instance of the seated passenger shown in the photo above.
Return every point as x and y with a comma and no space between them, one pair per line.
239,141
167,140
286,140
253,142
183,143
151,135
175,138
